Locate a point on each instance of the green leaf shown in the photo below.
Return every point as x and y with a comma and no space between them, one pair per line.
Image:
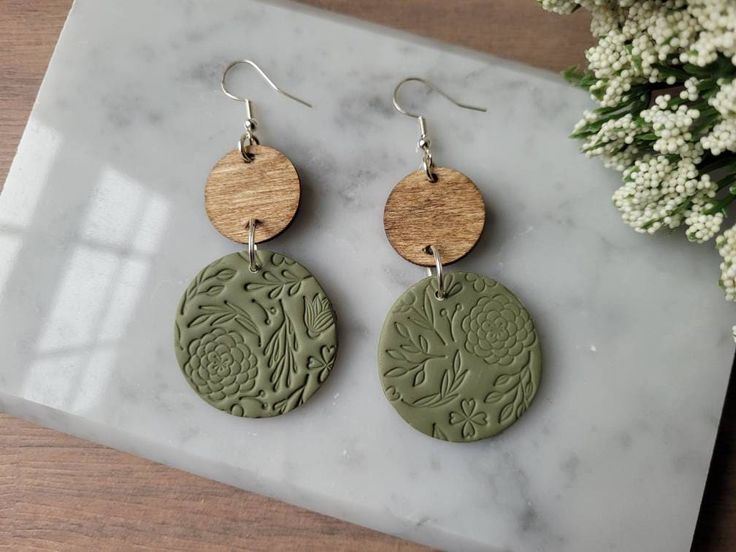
493,397
225,274
501,380
401,329
445,384
506,412
426,400
396,355
423,344
198,320
579,77
395,372
222,319
418,378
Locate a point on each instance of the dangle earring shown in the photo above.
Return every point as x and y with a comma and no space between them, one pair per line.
254,332
458,355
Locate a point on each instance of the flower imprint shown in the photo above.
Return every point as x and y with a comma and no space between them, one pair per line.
324,363
221,367
469,418
497,330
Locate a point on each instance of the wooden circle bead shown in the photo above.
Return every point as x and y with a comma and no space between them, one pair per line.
448,214
267,189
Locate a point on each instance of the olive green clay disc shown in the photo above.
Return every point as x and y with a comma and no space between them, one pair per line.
255,343
463,368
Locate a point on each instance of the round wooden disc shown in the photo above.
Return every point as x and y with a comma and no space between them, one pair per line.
266,189
448,214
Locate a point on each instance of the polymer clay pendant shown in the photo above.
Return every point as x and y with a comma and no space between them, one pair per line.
458,356
254,333
462,368
255,343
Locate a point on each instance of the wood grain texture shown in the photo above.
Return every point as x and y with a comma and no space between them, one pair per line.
61,493
265,189
448,215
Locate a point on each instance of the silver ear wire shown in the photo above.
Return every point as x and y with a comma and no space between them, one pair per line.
424,142
248,138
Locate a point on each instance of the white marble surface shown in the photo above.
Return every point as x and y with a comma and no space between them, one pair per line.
102,225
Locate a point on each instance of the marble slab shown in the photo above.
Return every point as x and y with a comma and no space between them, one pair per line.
102,225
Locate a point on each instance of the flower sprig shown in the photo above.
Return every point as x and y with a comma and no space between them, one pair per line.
663,73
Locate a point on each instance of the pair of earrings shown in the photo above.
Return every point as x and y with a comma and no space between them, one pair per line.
255,333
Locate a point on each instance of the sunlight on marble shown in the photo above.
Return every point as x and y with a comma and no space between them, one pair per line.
71,381
94,376
114,210
53,379
123,226
98,293
80,301
123,298
33,163
151,227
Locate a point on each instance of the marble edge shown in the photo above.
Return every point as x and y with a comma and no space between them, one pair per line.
408,36
39,91
170,456
711,452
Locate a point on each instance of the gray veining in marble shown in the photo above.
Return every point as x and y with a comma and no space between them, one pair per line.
102,224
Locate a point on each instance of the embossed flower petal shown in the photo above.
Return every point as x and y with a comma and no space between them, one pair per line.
220,364
391,393
318,316
467,405
468,430
217,395
496,329
456,418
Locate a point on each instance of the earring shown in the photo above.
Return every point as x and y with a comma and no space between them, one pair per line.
254,332
458,356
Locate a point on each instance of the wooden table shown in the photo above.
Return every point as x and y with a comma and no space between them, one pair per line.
59,492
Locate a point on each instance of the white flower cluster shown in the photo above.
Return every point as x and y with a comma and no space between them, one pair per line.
614,142
671,126
714,21
661,193
663,73
726,244
722,137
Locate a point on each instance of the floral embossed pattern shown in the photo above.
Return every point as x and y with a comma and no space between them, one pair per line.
498,329
461,369
255,344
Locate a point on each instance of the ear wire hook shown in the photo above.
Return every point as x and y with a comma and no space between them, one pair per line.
424,143
248,138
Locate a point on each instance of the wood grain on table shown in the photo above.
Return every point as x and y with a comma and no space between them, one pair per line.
58,492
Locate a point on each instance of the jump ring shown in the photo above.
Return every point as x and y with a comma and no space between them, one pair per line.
428,165
252,247
251,140
440,293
